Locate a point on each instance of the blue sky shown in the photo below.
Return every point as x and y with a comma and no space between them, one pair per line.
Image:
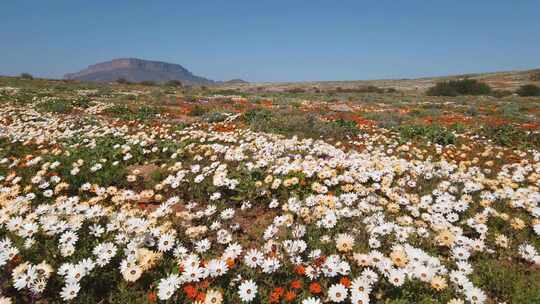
274,40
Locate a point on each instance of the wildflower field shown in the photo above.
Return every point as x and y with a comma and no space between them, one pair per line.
124,193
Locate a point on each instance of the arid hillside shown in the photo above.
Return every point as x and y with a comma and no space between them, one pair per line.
498,80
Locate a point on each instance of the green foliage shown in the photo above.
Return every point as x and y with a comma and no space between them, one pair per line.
198,111
501,93
459,87
472,111
191,98
122,80
118,109
511,111
508,135
230,92
529,90
292,123
174,83
59,106
27,76
148,83
82,102
214,116
252,116
510,283
386,119
296,90
434,133
365,89
146,112
141,113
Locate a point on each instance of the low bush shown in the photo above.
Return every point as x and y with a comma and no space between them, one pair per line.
365,89
434,133
471,111
529,90
122,80
147,112
174,83
82,102
459,87
501,93
510,136
385,119
198,111
296,90
142,113
191,98
27,76
147,83
253,116
215,116
512,111
290,123
59,106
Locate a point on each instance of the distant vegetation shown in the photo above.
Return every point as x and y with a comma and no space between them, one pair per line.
528,90
501,93
26,76
122,80
147,83
365,89
174,83
289,123
459,87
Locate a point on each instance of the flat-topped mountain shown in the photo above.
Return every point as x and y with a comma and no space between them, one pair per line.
137,70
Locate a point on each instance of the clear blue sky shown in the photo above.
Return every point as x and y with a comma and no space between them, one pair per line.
274,40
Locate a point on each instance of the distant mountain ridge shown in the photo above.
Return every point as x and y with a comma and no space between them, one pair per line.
137,70
235,81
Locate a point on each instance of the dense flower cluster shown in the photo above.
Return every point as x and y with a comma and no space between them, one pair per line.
209,216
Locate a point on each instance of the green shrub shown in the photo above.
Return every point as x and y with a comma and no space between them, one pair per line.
198,111
122,80
459,87
214,116
119,109
59,106
434,133
174,83
501,93
290,123
253,116
472,111
387,119
142,113
147,112
229,92
27,76
296,90
528,90
511,111
147,83
82,102
191,98
510,136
